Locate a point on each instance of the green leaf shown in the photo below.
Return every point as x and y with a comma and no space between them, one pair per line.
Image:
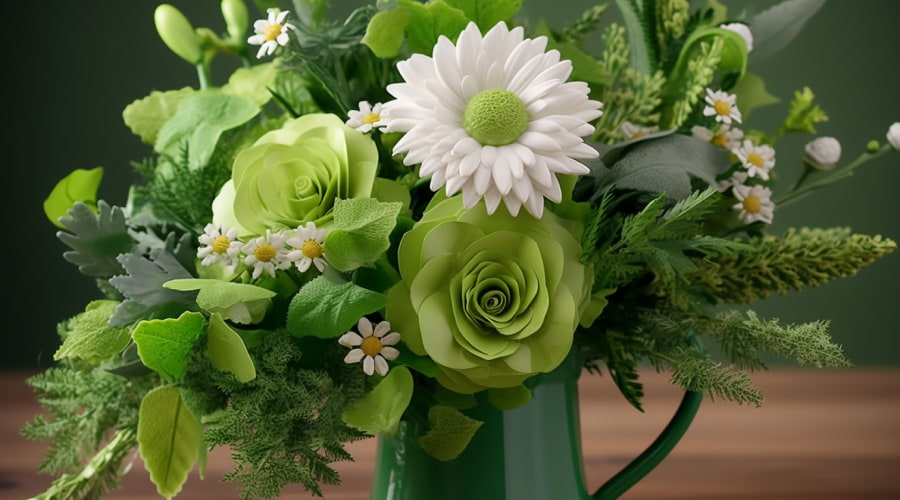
361,232
226,350
386,32
79,186
775,27
487,13
595,306
143,288
164,345
253,83
146,116
751,94
326,309
239,302
199,122
169,437
97,239
449,433
422,24
90,337
804,113
640,59
379,411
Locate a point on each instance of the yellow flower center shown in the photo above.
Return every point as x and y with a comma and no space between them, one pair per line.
272,32
371,118
720,139
221,244
722,108
752,204
637,134
755,159
371,345
312,249
264,252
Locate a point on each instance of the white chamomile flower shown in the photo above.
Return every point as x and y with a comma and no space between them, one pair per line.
271,32
493,116
219,245
823,153
758,160
893,135
309,247
755,203
266,254
371,346
722,105
367,117
633,131
725,136
743,30
737,178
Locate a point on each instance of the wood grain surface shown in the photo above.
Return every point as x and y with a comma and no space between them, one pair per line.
821,435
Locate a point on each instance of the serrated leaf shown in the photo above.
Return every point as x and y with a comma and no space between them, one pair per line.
449,432
146,116
379,411
97,239
804,113
325,309
79,186
169,437
164,345
90,337
226,350
361,232
143,285
239,302
775,27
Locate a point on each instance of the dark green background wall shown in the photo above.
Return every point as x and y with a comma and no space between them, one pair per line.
73,67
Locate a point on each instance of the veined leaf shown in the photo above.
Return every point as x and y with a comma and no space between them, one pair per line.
325,309
169,437
379,411
226,349
164,345
79,186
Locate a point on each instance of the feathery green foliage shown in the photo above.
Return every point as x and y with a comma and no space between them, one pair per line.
584,26
672,17
701,69
798,259
697,371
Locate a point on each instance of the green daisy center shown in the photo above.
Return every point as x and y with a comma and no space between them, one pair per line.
495,117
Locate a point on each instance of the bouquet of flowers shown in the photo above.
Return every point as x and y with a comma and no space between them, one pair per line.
421,205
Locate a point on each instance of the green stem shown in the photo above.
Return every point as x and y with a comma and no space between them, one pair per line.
832,177
203,75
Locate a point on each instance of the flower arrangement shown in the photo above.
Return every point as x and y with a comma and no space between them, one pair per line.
423,205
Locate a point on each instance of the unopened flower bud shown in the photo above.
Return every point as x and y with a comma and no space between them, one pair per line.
743,30
236,18
872,146
893,135
823,153
177,33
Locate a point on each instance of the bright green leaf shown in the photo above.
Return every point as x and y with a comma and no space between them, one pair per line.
226,350
804,113
449,433
325,309
487,13
361,232
751,94
386,32
146,116
430,21
90,337
169,437
164,345
252,83
79,186
379,411
239,302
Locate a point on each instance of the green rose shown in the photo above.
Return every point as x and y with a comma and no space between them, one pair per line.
492,299
293,175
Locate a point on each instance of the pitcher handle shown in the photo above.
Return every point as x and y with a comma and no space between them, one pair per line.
656,452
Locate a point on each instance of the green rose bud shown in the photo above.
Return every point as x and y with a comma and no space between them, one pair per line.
293,175
492,299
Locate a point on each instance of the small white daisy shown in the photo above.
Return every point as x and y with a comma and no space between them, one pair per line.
823,153
494,117
743,30
367,117
633,131
737,178
219,245
722,105
271,32
371,346
758,160
309,247
893,135
725,136
266,254
755,203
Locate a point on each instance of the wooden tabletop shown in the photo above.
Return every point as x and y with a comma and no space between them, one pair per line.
822,434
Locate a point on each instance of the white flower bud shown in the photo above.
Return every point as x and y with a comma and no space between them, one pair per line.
823,153
893,135
743,30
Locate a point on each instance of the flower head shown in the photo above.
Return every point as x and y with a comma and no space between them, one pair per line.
372,346
271,32
823,153
893,135
309,247
721,105
367,117
758,160
755,203
737,178
266,254
633,131
741,29
219,244
725,136
493,116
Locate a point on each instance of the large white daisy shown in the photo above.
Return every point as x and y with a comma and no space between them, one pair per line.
493,116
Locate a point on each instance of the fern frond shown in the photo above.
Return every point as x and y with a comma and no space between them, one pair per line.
698,372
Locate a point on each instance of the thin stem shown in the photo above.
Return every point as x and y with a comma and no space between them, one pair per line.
203,75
